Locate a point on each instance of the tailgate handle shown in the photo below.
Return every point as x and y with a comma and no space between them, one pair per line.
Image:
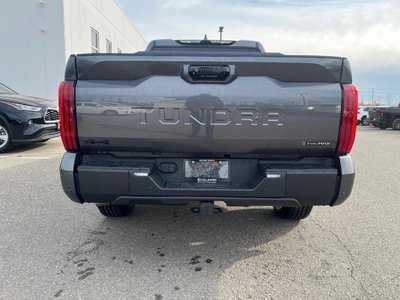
209,73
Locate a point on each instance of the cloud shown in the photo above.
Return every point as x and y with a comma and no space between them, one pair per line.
368,34
179,3
308,2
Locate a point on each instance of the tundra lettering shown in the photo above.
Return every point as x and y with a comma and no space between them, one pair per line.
210,116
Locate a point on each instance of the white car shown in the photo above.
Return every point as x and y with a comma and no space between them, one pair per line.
362,115
107,108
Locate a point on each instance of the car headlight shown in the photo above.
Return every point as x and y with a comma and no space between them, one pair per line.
23,107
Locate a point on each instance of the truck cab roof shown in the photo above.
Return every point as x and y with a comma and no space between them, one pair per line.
204,45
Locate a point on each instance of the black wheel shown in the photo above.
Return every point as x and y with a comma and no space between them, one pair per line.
293,213
396,124
364,121
110,113
5,138
374,125
115,211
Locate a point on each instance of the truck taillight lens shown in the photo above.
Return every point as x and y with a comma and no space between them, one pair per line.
383,112
67,115
349,119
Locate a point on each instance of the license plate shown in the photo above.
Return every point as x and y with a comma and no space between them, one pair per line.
207,170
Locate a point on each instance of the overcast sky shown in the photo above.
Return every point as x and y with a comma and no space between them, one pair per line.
367,32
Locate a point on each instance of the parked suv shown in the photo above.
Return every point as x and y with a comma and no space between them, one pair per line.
25,119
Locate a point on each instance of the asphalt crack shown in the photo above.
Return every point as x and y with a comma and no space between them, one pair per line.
351,257
59,293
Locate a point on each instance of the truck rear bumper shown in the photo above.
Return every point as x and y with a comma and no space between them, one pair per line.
382,122
263,183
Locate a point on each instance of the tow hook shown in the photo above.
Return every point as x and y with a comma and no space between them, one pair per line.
206,209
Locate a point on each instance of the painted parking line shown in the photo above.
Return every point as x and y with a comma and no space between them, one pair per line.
28,157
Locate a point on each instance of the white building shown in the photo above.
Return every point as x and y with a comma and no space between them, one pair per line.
37,37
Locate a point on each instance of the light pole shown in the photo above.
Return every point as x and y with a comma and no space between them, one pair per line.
221,29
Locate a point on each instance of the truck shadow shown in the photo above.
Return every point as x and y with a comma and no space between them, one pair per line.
180,232
179,245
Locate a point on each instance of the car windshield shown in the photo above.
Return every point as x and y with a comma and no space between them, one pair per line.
6,90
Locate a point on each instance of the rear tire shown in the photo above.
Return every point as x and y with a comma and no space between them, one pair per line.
115,211
396,124
293,213
5,138
110,113
364,121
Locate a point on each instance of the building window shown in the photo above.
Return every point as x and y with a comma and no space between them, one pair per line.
108,46
95,41
119,50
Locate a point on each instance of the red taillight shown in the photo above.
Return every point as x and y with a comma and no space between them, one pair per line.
383,112
67,115
349,119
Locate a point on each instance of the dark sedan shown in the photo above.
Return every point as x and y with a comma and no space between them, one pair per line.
25,119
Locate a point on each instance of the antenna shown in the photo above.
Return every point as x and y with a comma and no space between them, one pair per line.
221,29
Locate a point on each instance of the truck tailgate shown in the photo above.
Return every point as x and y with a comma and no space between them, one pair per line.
266,104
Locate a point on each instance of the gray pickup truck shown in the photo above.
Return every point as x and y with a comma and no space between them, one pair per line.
202,121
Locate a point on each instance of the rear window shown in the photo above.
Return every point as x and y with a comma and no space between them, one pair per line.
208,48
205,46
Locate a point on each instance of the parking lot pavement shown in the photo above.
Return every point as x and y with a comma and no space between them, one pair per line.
53,248
24,153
